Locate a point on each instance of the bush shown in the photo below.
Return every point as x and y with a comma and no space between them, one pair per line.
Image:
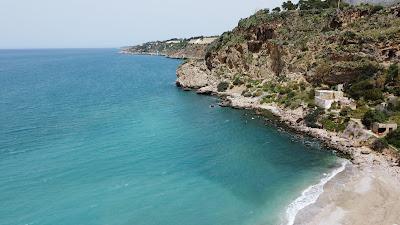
365,89
393,138
392,74
276,9
376,8
312,118
222,86
345,111
379,145
237,81
373,116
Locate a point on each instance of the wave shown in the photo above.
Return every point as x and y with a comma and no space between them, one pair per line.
310,195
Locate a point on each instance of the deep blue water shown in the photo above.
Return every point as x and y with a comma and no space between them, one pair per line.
95,137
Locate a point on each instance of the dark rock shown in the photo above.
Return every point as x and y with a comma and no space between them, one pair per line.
254,46
204,92
299,120
225,103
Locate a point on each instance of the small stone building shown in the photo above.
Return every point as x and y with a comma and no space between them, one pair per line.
382,129
325,98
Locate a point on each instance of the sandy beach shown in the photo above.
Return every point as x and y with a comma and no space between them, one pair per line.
360,195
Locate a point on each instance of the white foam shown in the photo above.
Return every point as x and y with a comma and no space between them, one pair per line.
310,195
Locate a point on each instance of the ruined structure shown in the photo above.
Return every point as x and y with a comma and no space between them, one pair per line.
382,129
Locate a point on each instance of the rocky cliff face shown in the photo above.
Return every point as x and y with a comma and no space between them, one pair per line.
275,61
321,46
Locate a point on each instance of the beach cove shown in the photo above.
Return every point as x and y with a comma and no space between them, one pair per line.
105,138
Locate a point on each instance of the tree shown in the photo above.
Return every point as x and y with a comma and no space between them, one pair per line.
392,74
394,138
373,116
289,5
277,9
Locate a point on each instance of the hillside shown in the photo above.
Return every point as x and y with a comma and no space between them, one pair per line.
279,60
194,48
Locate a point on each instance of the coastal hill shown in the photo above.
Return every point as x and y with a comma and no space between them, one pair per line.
318,70
194,48
281,60
324,71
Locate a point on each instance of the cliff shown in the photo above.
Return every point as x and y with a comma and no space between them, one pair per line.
276,61
192,48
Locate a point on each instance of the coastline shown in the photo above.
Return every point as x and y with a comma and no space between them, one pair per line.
360,190
380,169
310,195
360,195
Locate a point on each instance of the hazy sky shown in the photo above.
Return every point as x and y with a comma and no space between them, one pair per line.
115,23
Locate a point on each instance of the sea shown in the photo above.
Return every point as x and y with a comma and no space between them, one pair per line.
94,137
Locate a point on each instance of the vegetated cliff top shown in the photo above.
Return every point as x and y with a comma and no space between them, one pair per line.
193,47
376,2
326,46
282,56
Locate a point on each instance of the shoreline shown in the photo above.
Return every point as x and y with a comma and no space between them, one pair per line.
359,195
311,194
382,169
193,76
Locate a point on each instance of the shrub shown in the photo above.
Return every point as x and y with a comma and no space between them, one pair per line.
379,145
376,8
237,81
312,118
257,93
373,116
332,124
276,9
288,5
345,111
393,138
222,86
365,89
373,94
392,74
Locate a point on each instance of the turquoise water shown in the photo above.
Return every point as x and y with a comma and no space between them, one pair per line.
95,137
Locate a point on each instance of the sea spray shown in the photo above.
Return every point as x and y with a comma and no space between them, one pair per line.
311,194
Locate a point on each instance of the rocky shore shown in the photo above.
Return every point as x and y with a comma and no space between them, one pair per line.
194,76
381,170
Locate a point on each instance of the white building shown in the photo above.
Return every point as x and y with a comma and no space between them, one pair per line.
202,41
325,98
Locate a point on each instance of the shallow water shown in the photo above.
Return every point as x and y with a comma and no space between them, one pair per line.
95,137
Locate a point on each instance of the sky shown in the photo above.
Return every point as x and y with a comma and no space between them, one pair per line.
116,23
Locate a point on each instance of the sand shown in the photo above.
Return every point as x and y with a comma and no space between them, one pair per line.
360,195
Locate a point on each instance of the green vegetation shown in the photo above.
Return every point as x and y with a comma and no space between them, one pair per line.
291,94
373,116
393,138
332,123
288,5
359,112
392,74
365,89
312,4
276,9
222,86
312,118
237,81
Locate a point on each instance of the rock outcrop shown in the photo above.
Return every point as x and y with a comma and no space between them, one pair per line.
273,61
